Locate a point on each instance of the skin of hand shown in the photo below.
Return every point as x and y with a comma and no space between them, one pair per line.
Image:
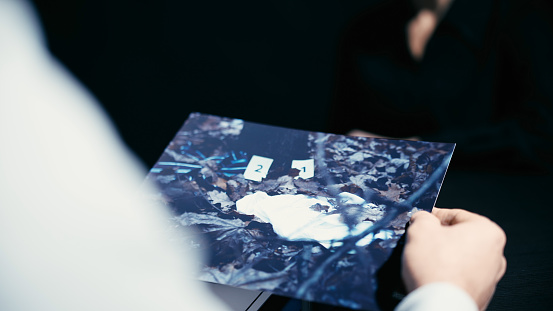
455,246
419,31
421,28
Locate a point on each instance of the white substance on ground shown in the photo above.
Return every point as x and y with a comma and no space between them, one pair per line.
293,219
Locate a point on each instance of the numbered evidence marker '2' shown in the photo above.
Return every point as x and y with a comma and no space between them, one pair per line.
258,168
306,167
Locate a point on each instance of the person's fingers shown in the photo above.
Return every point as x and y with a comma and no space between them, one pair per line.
421,217
450,217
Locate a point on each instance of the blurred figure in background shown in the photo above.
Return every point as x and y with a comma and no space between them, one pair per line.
477,73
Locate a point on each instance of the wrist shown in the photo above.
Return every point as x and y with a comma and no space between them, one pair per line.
438,296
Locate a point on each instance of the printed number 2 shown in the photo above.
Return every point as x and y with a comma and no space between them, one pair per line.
257,168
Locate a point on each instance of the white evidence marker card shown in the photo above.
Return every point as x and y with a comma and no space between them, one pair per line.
306,167
258,168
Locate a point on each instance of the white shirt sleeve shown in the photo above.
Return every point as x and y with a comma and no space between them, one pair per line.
437,297
74,233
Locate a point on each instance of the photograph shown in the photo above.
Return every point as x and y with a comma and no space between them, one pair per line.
305,215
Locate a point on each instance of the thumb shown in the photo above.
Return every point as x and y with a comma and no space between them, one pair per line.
422,218
454,216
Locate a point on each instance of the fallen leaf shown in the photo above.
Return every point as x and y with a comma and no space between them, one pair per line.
393,193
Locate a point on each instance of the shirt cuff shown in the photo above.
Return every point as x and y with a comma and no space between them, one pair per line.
438,296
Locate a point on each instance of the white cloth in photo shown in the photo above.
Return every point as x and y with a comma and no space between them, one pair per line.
292,217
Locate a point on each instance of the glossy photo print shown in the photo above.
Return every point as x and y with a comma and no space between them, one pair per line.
305,215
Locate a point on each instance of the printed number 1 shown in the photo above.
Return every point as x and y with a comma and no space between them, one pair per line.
306,168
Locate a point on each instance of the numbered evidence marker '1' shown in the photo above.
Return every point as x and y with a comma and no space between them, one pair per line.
306,167
258,168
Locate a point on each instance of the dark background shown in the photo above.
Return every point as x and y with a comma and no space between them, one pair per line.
150,65
273,62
